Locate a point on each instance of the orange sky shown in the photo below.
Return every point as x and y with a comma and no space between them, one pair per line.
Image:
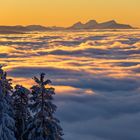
66,12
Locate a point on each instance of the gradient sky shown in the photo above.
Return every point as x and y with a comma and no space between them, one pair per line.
66,12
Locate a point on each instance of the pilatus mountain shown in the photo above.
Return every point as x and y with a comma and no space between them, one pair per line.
93,24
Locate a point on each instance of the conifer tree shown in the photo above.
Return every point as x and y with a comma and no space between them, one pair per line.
43,126
21,112
7,123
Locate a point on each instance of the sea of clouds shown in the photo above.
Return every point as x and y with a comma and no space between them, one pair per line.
96,75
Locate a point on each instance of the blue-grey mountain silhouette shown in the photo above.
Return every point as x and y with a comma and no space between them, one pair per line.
91,24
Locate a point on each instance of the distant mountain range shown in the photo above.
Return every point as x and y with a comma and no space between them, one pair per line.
24,29
92,24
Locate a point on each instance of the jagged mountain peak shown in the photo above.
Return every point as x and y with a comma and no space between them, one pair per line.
78,23
93,24
112,21
90,24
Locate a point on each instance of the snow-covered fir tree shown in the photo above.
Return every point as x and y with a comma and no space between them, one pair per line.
21,112
43,126
7,123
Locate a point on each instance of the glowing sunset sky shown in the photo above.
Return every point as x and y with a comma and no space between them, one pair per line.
66,12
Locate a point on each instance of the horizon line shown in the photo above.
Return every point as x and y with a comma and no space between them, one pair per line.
24,25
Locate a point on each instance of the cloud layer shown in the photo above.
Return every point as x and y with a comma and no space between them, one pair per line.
96,75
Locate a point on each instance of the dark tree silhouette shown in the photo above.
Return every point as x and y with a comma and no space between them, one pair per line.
24,118
21,111
7,123
43,125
